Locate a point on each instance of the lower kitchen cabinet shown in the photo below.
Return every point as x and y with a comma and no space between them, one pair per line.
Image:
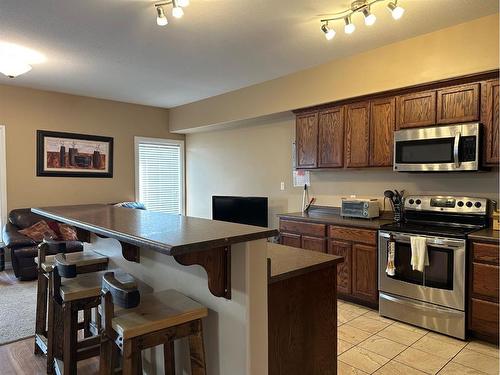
343,249
364,270
309,236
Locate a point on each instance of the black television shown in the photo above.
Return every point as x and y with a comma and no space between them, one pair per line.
241,210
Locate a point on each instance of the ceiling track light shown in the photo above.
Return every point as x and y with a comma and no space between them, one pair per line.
177,10
359,6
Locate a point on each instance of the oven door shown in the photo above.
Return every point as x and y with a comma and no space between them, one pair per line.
441,283
443,148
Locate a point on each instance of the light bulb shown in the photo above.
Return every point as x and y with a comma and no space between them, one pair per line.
177,12
329,33
14,67
161,19
349,26
396,10
369,17
183,3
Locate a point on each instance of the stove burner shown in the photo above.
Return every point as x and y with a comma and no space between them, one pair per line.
430,229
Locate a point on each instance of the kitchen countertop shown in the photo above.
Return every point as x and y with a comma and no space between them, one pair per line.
286,262
166,233
485,235
331,215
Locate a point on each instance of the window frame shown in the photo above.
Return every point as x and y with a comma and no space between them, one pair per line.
162,141
3,177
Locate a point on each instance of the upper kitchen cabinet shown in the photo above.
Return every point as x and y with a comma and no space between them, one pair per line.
357,140
458,104
416,110
382,126
331,138
307,140
490,119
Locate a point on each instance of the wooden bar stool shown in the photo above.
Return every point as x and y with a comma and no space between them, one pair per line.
70,295
145,322
87,261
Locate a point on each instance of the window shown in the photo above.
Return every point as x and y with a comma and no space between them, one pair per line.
159,174
3,180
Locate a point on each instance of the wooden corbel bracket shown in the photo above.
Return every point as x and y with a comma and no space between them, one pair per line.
130,252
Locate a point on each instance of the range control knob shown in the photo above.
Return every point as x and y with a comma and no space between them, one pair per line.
418,201
469,204
411,201
460,204
478,204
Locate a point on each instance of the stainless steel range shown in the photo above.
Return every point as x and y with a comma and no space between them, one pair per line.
435,298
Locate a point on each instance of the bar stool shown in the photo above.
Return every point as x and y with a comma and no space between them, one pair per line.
69,296
145,322
87,261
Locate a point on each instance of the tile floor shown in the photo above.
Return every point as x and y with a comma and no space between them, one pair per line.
370,344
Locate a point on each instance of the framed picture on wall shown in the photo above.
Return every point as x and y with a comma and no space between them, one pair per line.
73,155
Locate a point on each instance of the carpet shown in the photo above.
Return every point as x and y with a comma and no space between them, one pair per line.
17,308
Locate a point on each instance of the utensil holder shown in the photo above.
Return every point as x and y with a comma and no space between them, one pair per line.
398,212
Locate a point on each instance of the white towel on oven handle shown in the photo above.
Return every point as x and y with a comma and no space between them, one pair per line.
419,254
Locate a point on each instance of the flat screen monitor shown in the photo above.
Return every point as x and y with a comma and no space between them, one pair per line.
242,210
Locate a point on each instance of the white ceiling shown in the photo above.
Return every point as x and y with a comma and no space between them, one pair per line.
113,48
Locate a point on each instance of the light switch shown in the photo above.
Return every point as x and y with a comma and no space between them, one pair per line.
282,187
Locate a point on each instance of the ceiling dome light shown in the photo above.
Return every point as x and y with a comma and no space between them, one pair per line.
13,68
329,32
369,17
161,19
16,60
349,26
396,10
183,3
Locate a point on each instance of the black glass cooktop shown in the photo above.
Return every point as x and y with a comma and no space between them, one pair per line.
442,230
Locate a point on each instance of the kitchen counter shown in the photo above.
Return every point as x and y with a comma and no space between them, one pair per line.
331,215
485,235
286,261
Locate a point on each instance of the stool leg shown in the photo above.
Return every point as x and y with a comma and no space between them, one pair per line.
87,317
53,316
197,352
106,363
130,358
41,309
70,319
169,358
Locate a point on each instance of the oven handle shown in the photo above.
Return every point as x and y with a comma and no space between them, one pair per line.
455,149
438,242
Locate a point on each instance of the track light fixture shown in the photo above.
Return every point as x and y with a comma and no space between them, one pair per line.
177,10
358,6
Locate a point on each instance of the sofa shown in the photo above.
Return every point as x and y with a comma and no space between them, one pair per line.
23,249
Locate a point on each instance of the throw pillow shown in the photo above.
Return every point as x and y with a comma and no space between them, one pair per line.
68,233
39,231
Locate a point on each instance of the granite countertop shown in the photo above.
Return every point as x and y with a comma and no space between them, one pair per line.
166,233
485,235
331,215
287,262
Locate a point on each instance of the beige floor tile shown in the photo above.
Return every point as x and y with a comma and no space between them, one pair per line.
401,335
420,360
344,315
447,339
382,346
345,369
351,334
396,368
477,361
367,324
343,346
484,348
453,368
374,315
410,327
363,359
438,347
356,308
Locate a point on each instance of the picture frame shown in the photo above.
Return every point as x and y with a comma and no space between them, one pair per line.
61,154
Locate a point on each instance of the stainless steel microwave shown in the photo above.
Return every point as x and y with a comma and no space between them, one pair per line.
438,149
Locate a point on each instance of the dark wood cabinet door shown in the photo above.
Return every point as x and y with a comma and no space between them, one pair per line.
490,119
307,140
364,272
331,138
290,239
314,243
357,142
382,126
485,281
342,249
484,319
458,104
416,110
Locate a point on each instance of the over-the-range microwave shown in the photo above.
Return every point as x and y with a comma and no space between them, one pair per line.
438,149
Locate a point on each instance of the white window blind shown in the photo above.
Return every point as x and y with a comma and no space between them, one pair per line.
160,174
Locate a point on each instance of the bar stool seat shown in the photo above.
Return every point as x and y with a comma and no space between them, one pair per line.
81,259
157,311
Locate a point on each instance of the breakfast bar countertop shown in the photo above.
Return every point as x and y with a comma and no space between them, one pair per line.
166,233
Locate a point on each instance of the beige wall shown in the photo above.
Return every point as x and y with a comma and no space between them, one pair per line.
466,48
24,111
253,160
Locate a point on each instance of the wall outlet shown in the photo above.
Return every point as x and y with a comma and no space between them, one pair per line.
282,186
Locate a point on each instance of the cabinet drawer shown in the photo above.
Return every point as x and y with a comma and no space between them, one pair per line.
314,243
290,239
485,252
353,234
485,281
300,227
484,318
